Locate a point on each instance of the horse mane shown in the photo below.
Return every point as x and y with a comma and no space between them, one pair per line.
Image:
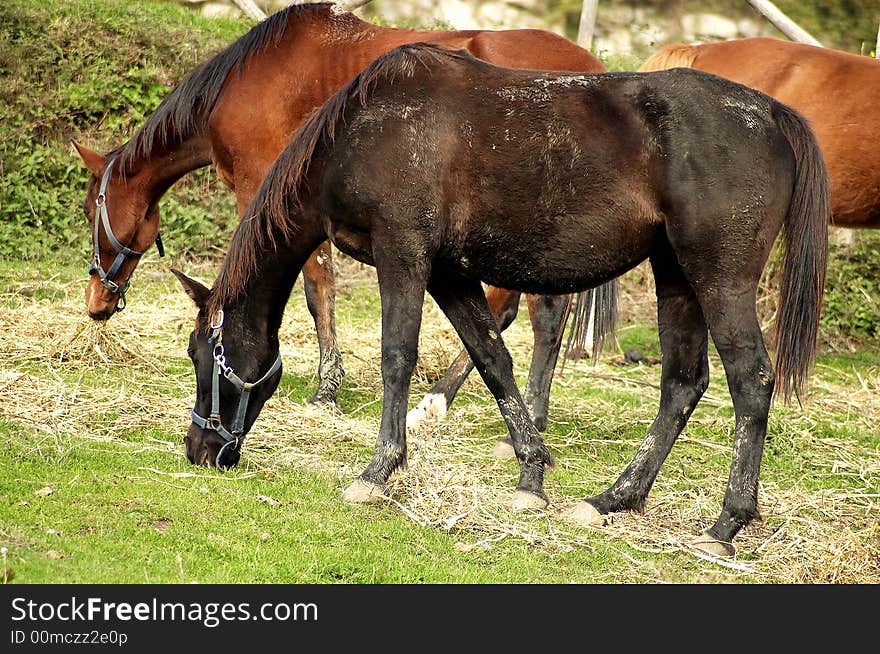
184,111
670,56
269,216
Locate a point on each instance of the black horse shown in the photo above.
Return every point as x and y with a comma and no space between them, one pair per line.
443,171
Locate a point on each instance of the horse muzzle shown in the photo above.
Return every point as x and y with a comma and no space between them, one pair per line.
100,301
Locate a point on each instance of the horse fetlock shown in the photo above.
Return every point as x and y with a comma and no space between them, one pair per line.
531,478
534,452
616,502
432,408
387,458
330,375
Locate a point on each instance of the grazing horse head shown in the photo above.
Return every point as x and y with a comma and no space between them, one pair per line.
232,382
117,198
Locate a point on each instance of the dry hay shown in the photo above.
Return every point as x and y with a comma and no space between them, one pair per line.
451,483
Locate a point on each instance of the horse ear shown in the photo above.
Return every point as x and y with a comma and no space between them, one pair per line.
92,160
197,291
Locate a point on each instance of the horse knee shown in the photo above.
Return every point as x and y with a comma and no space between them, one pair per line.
398,362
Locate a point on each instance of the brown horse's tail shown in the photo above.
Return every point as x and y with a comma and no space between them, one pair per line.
806,253
598,305
670,56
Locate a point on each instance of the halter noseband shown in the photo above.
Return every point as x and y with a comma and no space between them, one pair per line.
122,252
212,422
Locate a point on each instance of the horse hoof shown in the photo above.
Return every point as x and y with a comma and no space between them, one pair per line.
503,450
325,402
432,407
713,547
584,514
525,501
362,492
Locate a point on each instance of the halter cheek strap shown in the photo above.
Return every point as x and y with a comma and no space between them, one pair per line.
234,437
102,217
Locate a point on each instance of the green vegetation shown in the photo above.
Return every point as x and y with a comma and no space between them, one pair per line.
852,289
93,70
94,486
849,25
93,483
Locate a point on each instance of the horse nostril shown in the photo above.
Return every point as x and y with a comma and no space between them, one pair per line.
100,315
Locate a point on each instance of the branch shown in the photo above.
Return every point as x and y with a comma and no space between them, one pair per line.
355,4
251,9
587,24
785,24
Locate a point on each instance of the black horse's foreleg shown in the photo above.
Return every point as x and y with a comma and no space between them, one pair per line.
402,292
320,288
684,378
504,306
465,305
548,314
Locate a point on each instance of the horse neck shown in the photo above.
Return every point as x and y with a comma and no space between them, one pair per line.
259,305
158,170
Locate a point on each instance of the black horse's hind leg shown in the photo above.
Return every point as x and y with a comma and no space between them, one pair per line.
548,314
402,291
751,379
684,378
465,305
320,288
504,306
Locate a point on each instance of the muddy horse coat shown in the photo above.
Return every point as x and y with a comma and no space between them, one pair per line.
239,110
838,92
443,171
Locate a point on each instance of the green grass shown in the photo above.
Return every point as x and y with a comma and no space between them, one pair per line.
109,521
102,432
125,506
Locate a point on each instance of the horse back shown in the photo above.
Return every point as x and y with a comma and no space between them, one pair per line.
483,155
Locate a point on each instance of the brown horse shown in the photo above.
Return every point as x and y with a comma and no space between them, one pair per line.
239,110
838,92
443,171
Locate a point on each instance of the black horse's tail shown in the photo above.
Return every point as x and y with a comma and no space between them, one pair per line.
598,305
806,253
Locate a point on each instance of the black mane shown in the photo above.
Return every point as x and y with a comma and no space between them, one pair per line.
268,217
184,112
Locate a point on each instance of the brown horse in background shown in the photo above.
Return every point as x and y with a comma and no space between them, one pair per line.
838,92
238,111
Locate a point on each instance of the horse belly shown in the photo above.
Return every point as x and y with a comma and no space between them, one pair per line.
563,254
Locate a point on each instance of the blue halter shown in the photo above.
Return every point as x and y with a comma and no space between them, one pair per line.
122,252
234,437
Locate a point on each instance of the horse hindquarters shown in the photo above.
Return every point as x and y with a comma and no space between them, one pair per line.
746,207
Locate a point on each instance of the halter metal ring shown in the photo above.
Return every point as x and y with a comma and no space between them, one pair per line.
222,450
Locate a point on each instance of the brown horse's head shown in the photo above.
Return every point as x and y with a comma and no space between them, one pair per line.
134,224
